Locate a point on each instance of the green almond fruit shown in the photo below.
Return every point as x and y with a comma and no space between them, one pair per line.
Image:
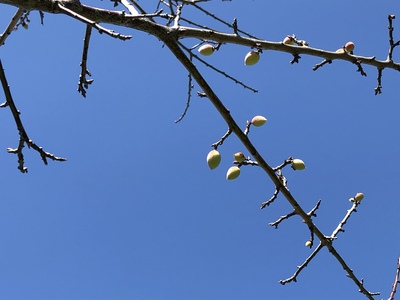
298,164
358,197
252,58
206,50
233,173
258,121
213,159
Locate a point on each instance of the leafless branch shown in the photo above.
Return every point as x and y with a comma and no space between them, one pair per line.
190,87
396,281
221,141
11,25
84,83
217,70
87,21
22,133
378,89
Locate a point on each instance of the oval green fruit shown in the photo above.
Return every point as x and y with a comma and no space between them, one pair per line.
206,50
233,173
258,121
252,58
213,159
298,164
358,197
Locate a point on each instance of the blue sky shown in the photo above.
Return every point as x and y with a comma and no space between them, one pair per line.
135,213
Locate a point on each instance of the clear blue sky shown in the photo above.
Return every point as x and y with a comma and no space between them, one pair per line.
135,213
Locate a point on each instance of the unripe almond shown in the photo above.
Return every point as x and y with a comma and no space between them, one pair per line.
233,173
349,47
251,58
288,40
298,164
239,157
213,159
358,197
258,121
206,50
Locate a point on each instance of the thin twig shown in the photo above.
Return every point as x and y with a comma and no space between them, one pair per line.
190,87
22,133
221,141
281,218
378,89
302,266
223,22
391,41
217,70
11,25
321,64
101,29
396,281
84,83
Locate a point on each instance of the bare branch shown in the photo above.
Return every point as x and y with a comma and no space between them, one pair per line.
396,281
302,266
221,141
190,87
84,83
11,25
217,70
22,133
378,89
101,29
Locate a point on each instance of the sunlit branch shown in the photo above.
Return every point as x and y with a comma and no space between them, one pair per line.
11,25
396,281
225,114
87,21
